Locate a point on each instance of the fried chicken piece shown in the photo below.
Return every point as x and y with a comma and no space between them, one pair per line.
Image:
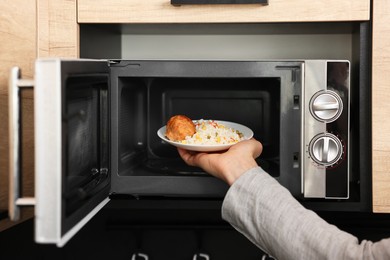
178,127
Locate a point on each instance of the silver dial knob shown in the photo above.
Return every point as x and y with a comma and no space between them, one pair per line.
326,106
326,149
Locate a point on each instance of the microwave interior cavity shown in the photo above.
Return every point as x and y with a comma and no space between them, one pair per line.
254,102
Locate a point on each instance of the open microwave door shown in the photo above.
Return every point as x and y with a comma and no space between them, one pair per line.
72,177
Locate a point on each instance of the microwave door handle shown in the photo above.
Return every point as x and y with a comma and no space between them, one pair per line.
217,2
15,202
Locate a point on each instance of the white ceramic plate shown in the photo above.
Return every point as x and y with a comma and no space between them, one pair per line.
247,133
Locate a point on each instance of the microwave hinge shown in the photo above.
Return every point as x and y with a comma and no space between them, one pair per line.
111,62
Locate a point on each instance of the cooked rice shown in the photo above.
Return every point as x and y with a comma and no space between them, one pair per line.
209,132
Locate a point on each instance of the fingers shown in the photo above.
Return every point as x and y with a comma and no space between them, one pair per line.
184,154
251,147
211,162
258,148
197,159
188,156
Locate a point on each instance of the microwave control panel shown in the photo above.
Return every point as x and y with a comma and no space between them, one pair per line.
325,172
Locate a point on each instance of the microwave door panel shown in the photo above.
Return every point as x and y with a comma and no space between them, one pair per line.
72,174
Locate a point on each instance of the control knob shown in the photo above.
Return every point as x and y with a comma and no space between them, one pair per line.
326,149
326,106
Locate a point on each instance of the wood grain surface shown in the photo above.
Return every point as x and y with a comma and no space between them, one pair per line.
161,11
17,48
381,106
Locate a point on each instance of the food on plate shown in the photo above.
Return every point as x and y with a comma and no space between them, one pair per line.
210,132
183,130
179,127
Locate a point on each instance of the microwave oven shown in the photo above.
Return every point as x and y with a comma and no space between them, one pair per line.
96,124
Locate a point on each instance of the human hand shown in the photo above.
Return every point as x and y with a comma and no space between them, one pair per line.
227,165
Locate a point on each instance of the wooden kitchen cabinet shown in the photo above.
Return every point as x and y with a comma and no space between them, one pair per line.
29,29
17,48
161,11
50,28
381,106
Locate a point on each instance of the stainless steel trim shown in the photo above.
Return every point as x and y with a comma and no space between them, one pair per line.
303,108
48,156
14,202
314,177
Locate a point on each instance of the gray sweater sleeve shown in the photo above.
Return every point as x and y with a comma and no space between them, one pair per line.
267,214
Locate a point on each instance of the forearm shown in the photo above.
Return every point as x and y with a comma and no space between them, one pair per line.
264,211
